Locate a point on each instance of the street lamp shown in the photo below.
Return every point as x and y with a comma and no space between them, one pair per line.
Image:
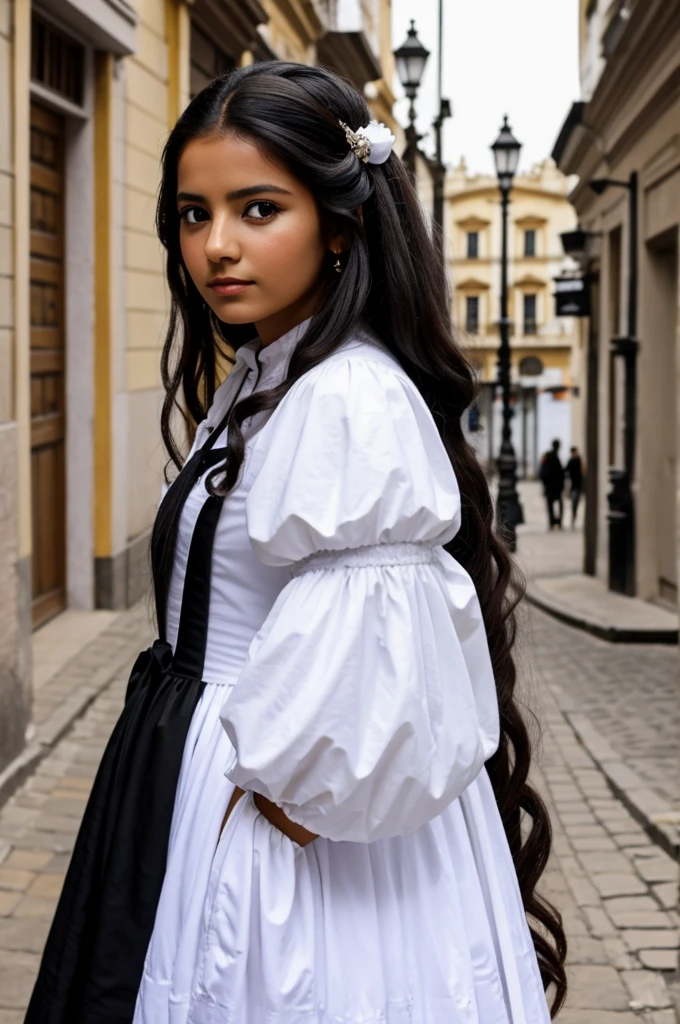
437,165
509,513
620,499
411,58
439,170
575,244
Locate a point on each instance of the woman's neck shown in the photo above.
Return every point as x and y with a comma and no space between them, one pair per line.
272,328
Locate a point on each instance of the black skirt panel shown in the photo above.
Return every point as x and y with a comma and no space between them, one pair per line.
94,957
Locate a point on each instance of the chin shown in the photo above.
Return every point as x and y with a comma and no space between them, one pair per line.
235,315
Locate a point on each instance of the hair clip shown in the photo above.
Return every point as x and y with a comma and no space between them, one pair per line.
372,144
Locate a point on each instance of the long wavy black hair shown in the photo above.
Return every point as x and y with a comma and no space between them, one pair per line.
394,278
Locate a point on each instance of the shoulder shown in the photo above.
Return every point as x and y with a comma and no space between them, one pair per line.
351,456
359,404
356,407
362,375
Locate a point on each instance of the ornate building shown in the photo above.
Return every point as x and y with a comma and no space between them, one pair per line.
89,91
545,354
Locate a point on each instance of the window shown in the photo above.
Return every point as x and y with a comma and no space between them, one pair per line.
530,242
207,60
530,366
472,314
530,314
473,245
57,62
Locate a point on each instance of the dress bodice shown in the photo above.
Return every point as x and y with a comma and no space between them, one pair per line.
243,589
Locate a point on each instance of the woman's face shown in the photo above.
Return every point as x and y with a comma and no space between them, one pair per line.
250,234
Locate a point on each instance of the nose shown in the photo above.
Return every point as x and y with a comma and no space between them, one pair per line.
222,243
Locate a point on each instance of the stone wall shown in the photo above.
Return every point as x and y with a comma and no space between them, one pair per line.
14,576
14,630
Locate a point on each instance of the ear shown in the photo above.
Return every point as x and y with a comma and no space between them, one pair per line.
338,238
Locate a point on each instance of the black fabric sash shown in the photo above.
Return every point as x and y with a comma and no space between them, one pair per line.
94,957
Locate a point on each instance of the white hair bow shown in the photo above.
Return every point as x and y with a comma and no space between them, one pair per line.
372,144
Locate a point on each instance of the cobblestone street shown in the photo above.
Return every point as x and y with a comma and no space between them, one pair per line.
616,888
630,693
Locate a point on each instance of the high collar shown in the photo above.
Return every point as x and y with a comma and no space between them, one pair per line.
270,362
273,356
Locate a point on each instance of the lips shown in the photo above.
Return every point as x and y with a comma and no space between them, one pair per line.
229,285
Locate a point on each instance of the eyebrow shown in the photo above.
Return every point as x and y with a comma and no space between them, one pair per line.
240,193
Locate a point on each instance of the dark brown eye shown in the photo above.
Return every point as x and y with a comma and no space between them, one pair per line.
194,215
261,210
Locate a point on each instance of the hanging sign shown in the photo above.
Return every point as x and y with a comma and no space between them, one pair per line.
572,296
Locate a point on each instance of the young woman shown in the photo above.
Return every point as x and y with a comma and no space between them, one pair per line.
315,806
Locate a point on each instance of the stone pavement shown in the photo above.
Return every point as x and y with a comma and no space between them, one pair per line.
616,888
586,602
74,657
624,703
622,700
556,583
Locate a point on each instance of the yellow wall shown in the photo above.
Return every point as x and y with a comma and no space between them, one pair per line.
292,30
178,34
382,102
485,361
6,219
103,231
147,106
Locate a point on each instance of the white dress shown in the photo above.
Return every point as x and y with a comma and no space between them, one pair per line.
348,680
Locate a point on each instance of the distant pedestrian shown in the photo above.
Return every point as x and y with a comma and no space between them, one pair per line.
575,474
552,476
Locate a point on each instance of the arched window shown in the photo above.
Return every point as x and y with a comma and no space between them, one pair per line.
530,366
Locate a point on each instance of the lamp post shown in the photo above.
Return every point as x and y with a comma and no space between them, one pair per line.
439,172
579,245
621,502
509,513
411,58
437,165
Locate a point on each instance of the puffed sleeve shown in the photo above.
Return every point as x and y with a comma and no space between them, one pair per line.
367,701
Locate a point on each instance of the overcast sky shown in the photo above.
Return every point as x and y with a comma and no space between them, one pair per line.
518,57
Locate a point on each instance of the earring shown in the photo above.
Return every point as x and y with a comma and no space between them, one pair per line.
337,266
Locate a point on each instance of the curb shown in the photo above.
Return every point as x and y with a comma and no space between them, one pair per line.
612,634
18,770
650,811
48,734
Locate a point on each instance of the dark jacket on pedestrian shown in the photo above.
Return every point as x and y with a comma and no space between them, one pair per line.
575,472
552,474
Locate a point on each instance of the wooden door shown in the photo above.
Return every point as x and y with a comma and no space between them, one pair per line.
47,363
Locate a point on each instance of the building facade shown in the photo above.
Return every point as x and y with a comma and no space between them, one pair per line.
89,91
624,135
545,353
